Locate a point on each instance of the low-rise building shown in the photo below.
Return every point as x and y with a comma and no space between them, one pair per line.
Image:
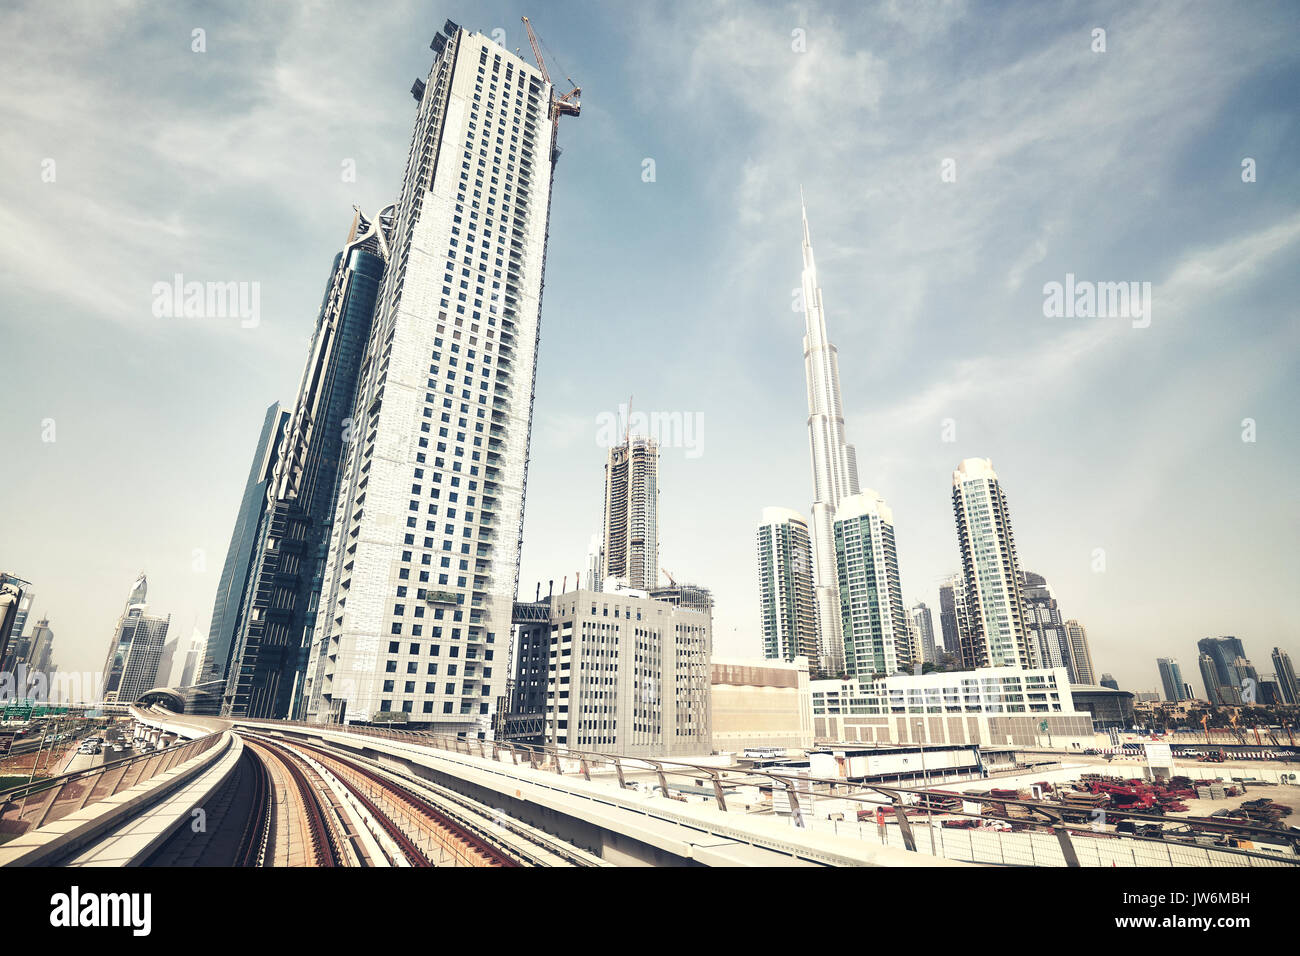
991,706
614,672
760,704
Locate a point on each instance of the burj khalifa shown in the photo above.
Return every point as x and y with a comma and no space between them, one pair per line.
834,461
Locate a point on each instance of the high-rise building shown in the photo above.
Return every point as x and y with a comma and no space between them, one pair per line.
165,662
15,604
614,672
873,619
834,460
631,538
227,608
1284,674
40,655
1215,692
1231,667
787,609
990,569
274,629
132,664
593,578
1171,676
1080,663
952,617
424,557
1044,624
923,627
192,663
1108,680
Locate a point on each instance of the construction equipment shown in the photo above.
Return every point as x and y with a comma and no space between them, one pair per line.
566,105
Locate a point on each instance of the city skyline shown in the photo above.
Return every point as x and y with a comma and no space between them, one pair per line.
1152,441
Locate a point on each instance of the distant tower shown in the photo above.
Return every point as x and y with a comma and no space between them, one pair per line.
952,618
1171,676
923,626
137,646
1285,674
632,513
787,610
1080,665
834,460
1043,622
990,569
874,624
592,576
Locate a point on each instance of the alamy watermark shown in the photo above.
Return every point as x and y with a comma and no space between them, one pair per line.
179,299
1098,300
669,429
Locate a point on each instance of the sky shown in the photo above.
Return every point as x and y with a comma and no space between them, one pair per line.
956,158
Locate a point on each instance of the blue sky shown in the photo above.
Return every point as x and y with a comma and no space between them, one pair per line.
1115,166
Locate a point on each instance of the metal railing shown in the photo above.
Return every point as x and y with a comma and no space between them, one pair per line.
33,805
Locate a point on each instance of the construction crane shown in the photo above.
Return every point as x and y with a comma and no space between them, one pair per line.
670,576
566,105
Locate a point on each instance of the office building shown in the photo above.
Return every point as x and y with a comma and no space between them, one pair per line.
991,707
1217,693
631,536
1080,663
1224,652
1284,674
133,656
15,604
286,569
952,617
1171,677
423,563
1043,622
873,620
612,672
990,570
228,607
787,607
834,460
593,577
924,649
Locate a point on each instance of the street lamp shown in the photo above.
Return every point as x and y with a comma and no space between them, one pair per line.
920,736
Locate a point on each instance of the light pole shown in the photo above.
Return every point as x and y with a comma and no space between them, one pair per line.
920,736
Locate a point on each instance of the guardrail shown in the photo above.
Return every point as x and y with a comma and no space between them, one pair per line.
36,804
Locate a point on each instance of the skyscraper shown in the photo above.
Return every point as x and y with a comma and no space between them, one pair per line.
631,538
1231,668
923,627
952,615
991,571
424,556
787,610
1043,623
1285,676
594,575
228,607
874,622
15,604
132,664
1080,664
1214,691
1171,676
291,544
165,661
834,460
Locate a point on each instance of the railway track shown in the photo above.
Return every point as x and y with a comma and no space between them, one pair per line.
324,843
442,834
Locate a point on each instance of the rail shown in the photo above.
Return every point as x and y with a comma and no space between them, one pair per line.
1062,820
